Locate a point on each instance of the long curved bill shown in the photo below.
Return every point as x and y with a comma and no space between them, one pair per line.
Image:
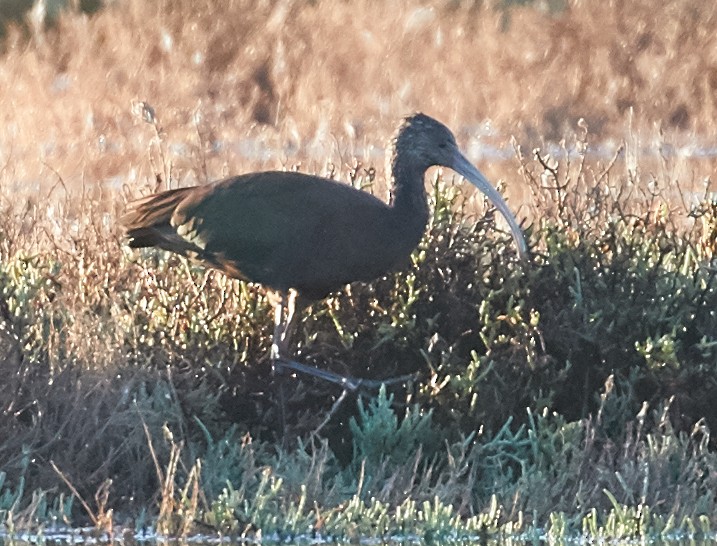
466,169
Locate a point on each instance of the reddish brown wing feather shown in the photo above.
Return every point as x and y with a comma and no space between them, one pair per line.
149,221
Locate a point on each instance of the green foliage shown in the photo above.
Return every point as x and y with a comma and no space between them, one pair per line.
27,289
22,512
530,406
225,460
378,436
659,352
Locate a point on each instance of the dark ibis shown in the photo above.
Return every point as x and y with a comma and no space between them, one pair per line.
304,236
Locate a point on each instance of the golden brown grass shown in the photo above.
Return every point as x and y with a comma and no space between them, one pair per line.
327,78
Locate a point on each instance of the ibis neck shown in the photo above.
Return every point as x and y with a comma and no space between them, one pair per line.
408,194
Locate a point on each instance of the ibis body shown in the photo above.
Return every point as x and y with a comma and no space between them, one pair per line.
283,230
305,234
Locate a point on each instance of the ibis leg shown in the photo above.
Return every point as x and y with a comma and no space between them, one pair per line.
277,349
286,318
279,327
293,312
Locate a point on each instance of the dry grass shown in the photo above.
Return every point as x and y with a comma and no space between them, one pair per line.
318,82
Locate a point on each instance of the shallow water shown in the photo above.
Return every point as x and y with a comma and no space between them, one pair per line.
130,538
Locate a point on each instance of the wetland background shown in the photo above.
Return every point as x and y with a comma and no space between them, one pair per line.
574,394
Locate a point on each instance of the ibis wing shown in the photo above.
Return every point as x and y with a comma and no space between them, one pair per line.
147,221
289,230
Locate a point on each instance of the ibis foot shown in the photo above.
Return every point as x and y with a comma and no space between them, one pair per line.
347,382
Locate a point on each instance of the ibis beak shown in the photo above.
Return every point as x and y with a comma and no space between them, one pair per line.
466,169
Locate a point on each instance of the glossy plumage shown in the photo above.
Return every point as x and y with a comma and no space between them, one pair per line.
297,232
254,227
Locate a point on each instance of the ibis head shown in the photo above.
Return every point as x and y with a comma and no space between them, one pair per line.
422,142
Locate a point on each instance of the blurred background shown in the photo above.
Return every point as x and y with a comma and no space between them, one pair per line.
244,85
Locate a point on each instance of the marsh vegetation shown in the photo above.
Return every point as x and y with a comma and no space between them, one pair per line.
571,394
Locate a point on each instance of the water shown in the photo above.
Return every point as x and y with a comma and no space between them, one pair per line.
89,536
